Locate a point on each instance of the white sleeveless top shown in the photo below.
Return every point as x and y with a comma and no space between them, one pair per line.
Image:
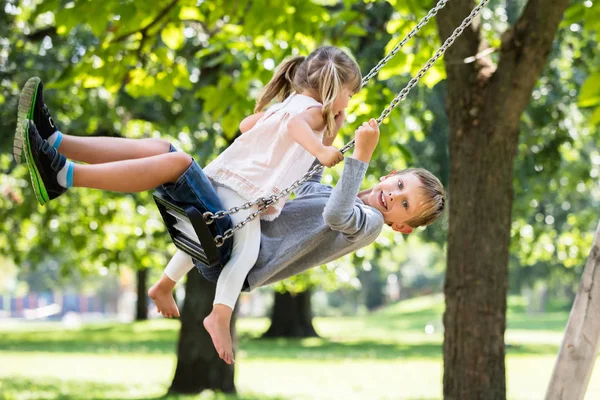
266,160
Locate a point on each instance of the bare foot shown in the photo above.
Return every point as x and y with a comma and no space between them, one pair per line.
218,328
162,295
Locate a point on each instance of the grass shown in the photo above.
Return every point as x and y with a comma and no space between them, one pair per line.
386,355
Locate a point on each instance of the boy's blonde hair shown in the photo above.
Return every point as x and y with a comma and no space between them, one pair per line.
325,73
435,197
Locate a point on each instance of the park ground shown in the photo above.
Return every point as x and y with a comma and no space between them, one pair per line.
384,355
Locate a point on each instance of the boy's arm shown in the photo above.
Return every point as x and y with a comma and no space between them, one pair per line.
312,184
341,212
249,122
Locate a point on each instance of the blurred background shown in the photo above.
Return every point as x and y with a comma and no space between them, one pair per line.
75,320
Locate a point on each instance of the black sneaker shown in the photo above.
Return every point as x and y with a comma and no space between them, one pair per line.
32,107
44,162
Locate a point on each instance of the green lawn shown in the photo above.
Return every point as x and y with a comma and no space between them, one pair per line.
386,355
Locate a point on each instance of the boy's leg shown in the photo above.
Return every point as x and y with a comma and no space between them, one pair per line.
162,291
246,245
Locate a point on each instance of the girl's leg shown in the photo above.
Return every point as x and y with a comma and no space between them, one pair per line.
135,175
246,244
98,150
162,291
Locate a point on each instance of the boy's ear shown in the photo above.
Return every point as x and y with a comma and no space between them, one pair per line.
406,229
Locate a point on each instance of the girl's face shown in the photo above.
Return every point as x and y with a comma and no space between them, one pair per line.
341,103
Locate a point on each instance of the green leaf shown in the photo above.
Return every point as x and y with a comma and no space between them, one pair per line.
356,30
181,77
592,17
406,153
590,92
595,118
325,2
92,81
230,123
396,66
190,13
575,13
172,35
434,76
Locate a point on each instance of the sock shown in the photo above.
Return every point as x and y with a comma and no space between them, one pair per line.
65,175
55,139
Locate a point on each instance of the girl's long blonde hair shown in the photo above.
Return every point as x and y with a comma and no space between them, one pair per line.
324,73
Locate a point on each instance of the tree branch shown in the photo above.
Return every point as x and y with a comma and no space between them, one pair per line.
465,46
38,35
524,52
145,29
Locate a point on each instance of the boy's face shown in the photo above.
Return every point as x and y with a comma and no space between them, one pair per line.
398,198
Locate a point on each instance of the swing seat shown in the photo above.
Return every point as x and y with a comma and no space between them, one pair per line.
189,231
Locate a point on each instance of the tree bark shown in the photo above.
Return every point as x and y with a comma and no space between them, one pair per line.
291,316
141,308
484,105
373,286
198,364
579,348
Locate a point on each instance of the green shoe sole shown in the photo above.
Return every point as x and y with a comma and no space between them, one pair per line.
25,112
36,180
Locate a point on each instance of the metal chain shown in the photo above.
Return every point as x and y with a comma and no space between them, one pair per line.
265,202
432,13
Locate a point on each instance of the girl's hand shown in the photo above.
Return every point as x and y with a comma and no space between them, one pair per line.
329,156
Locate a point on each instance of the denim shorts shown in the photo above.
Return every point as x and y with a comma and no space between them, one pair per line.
194,188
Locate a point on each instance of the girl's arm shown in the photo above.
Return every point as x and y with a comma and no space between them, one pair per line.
302,126
249,122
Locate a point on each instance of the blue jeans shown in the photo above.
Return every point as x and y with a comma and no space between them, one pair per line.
194,188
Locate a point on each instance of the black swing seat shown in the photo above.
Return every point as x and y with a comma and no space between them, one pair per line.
188,230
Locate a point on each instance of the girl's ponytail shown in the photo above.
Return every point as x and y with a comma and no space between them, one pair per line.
281,85
331,87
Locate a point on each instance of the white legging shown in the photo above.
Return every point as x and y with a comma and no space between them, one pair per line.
246,244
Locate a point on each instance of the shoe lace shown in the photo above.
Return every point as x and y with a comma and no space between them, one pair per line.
46,112
52,153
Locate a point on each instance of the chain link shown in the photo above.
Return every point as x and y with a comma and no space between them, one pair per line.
264,202
432,13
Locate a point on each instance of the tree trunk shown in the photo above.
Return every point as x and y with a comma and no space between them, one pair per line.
579,348
291,316
484,105
141,309
373,285
198,364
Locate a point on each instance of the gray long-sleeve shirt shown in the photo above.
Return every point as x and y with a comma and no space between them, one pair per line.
320,225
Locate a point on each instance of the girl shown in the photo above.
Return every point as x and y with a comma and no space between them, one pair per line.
277,147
